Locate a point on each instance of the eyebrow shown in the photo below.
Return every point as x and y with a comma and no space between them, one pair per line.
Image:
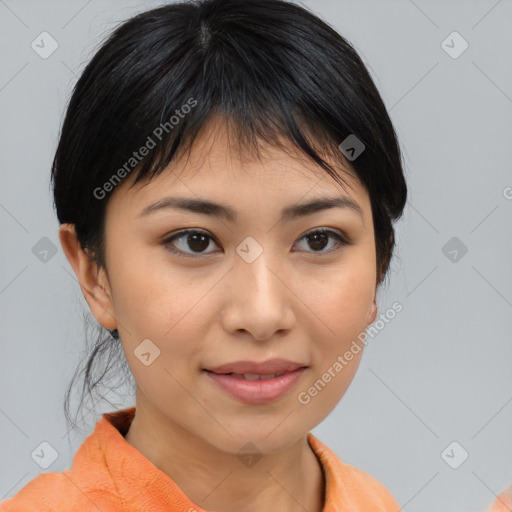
217,210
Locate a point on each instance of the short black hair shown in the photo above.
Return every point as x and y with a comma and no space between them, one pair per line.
273,69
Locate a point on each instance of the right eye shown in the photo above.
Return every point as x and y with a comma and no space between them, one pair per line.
193,239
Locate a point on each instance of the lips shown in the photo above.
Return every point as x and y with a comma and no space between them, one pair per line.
253,376
251,370
257,388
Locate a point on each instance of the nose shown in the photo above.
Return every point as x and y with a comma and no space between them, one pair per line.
259,300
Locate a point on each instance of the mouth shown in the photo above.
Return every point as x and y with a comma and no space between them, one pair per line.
257,387
253,369
251,376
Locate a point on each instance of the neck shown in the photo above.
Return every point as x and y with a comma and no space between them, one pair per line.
289,480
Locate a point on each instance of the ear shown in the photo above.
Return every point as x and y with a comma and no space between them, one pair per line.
93,282
372,313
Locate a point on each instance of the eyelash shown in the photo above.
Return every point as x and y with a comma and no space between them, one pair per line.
168,241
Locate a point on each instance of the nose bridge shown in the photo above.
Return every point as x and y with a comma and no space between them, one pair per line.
258,302
258,276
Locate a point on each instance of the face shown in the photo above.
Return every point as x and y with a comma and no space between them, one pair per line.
253,287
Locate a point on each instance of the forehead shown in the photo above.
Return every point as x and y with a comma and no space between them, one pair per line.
218,167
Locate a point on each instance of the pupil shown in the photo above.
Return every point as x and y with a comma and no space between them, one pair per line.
323,235
192,239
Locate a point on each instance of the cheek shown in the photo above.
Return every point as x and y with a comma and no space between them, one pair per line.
147,292
154,305
343,300
151,301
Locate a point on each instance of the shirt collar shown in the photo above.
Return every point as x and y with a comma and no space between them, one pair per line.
128,474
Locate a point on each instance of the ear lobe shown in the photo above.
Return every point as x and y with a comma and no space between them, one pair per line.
90,278
372,313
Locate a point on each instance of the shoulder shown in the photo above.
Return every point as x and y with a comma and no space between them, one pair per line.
87,485
58,492
350,488
41,493
503,502
368,490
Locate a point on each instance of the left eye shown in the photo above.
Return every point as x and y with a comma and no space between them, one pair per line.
317,239
198,241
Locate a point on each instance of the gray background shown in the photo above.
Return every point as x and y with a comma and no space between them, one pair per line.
439,372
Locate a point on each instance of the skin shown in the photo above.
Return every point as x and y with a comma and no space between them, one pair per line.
299,300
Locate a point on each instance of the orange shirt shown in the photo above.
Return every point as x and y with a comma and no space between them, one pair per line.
110,475
503,502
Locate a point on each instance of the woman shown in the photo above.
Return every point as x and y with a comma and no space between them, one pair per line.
226,180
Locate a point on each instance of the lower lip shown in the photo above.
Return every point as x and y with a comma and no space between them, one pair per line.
256,392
